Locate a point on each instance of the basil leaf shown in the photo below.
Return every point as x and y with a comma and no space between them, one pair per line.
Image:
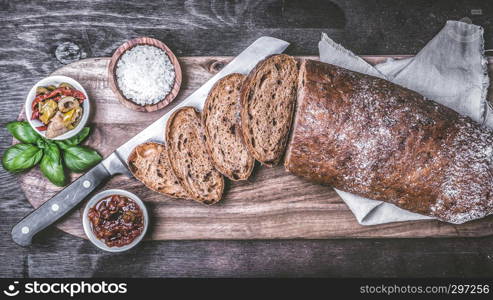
51,164
75,140
41,143
23,132
20,157
79,159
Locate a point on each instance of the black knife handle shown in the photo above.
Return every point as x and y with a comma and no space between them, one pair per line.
59,205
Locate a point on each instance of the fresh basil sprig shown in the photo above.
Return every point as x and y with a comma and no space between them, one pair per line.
21,157
79,159
51,164
23,132
51,155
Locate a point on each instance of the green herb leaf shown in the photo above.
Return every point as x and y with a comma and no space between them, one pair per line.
75,140
41,143
79,159
23,132
51,164
21,157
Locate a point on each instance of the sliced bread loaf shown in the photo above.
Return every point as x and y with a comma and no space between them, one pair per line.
220,117
150,164
189,157
268,99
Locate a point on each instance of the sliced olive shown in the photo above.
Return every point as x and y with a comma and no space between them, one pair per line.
65,85
41,90
68,103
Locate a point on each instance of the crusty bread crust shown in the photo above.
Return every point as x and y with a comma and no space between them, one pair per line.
191,163
149,163
267,98
370,137
220,117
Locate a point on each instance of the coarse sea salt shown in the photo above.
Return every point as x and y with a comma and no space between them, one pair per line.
145,74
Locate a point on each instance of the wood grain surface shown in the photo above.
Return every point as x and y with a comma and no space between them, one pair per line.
272,204
32,32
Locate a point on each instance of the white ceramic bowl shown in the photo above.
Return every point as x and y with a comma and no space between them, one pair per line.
88,225
56,80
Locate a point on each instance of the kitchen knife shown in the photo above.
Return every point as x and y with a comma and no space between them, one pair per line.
115,163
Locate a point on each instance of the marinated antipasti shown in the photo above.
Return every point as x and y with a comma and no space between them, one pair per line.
59,108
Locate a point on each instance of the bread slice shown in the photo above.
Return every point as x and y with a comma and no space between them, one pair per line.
268,99
189,157
220,117
150,164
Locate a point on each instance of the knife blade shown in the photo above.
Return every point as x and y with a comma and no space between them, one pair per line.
63,202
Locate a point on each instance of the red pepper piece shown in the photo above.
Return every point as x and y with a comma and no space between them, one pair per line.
35,114
78,94
58,91
53,93
35,102
42,128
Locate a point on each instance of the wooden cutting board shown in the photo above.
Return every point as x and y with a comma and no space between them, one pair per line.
271,205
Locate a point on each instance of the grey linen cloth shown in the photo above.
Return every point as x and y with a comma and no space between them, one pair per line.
451,69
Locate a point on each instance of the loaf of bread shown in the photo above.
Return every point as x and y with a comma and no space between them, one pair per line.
189,158
150,164
372,138
221,116
268,99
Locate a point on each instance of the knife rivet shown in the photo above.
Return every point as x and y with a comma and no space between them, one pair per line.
86,184
25,230
55,207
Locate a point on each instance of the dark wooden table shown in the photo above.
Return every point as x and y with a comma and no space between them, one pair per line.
31,31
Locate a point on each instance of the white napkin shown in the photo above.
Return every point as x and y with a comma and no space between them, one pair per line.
451,69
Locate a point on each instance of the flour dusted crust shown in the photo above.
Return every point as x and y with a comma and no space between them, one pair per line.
372,138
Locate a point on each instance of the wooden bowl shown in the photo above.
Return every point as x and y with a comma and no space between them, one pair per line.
114,84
